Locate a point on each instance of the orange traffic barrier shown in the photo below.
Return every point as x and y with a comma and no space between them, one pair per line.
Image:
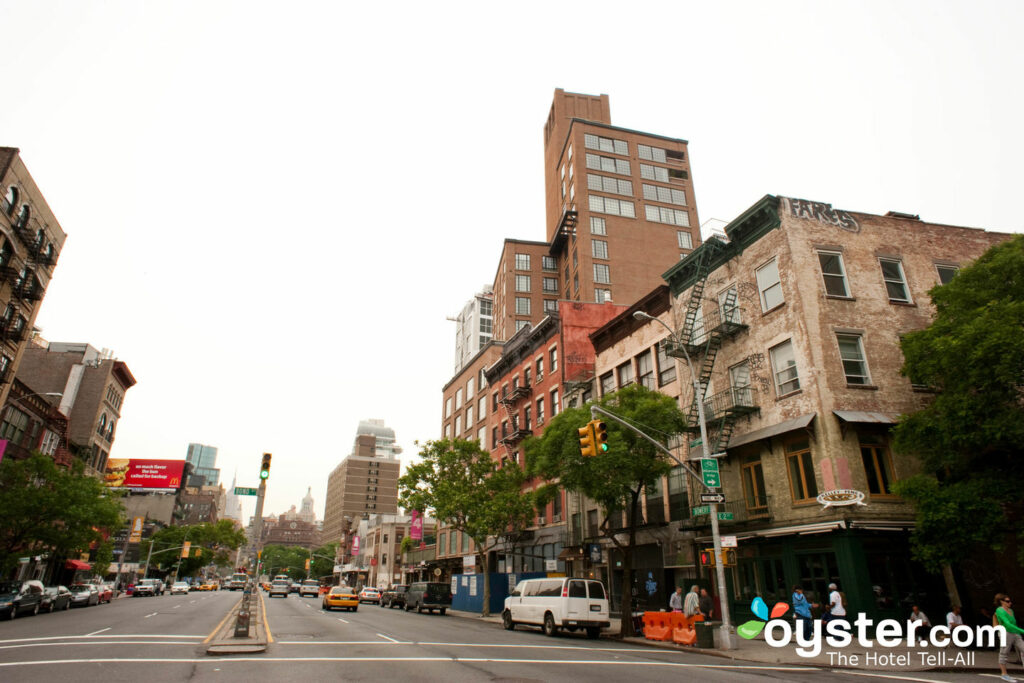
657,625
683,631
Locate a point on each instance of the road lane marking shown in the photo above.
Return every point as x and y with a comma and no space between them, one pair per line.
387,637
266,624
115,642
95,632
150,615
342,620
222,621
844,672
176,607
122,635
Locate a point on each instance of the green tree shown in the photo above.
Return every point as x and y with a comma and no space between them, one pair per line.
319,566
215,542
285,559
613,479
104,558
969,438
44,508
468,492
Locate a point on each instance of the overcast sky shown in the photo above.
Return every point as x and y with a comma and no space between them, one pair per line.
272,208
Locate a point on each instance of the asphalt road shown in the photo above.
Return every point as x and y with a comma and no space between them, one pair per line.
161,639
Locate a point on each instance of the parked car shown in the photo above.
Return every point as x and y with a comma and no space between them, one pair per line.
282,588
179,587
106,592
369,594
84,594
55,597
20,597
428,595
309,587
394,596
341,596
556,603
145,588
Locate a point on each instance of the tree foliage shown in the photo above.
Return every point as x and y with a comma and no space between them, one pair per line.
217,543
459,484
616,478
44,508
970,436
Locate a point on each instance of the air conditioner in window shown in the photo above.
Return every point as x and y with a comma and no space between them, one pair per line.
541,521
555,519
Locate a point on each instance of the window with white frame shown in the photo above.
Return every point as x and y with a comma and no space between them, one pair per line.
553,359
666,366
855,364
448,407
615,207
625,373
645,369
769,285
458,425
608,164
448,431
607,383
684,240
550,305
648,172
661,214
602,144
522,261
602,295
458,398
522,283
520,324
895,281
598,249
651,153
481,407
729,312
481,436
469,388
539,364
522,305
555,408
834,273
787,380
668,195
548,263
601,273
540,410
597,226
550,284
600,183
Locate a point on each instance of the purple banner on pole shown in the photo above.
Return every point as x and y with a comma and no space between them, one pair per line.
416,528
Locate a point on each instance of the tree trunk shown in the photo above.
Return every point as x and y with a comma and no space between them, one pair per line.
485,563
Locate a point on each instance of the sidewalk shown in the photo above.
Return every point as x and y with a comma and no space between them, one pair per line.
854,657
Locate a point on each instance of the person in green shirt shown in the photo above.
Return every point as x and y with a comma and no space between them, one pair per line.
1005,618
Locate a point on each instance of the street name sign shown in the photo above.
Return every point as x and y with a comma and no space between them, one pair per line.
701,510
712,497
709,472
243,491
724,516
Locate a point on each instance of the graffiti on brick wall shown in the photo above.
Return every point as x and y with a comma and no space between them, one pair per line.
575,358
758,372
821,212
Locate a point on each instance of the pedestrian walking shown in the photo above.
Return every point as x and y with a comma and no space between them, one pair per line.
836,608
802,610
675,603
691,606
1004,617
706,605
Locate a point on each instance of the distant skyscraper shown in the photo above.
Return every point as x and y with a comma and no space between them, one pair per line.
306,514
473,326
233,505
204,461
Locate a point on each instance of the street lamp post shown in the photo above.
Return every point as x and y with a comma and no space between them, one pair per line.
726,636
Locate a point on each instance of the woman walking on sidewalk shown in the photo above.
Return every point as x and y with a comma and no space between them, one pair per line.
1004,617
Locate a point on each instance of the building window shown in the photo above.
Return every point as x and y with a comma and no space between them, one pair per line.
645,369
469,388
784,366
851,352
769,285
550,305
448,407
10,200
599,249
625,372
481,407
494,437
668,195
607,383
494,401
448,431
597,226
684,240
522,283
666,366
458,426
601,274
522,261
540,410
520,324
615,207
522,305
895,282
877,467
469,417
553,359
548,263
458,398
608,164
834,273
602,295
576,284
753,488
555,408
651,153
600,183
661,214
678,496
801,471
526,376
946,273
550,284
14,425
481,436
648,172
605,144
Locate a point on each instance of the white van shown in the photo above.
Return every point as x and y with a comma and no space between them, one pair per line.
558,603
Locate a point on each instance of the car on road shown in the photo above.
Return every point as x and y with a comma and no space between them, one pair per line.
369,595
84,594
145,588
428,595
179,587
282,588
106,592
341,596
237,582
208,586
557,603
310,588
394,596
20,597
54,598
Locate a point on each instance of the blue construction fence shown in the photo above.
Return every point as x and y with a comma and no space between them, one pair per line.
468,589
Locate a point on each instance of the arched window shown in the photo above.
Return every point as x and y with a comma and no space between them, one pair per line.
40,240
23,216
11,200
103,424
110,430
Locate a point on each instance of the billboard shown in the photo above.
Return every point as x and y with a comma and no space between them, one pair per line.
143,475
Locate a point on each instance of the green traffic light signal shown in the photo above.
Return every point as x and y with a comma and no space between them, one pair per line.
601,436
265,466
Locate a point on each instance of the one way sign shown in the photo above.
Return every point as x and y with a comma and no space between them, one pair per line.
712,497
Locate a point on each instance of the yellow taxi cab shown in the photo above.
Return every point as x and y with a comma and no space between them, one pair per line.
341,596
208,587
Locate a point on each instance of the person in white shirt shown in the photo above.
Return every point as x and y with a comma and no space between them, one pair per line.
953,618
917,615
835,603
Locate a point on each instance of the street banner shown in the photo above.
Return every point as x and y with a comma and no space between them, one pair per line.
143,475
136,534
184,549
416,527
355,545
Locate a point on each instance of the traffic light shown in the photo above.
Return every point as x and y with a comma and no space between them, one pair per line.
600,436
588,448
707,557
265,466
184,549
198,552
728,557
307,564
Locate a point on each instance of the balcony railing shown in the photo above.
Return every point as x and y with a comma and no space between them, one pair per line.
721,323
517,393
735,401
517,435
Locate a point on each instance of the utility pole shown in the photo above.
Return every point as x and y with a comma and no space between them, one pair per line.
257,527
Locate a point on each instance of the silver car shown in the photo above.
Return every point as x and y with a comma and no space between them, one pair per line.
281,588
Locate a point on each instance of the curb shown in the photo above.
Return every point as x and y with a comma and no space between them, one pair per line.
224,642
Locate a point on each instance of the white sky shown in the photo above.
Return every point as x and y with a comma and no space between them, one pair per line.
271,208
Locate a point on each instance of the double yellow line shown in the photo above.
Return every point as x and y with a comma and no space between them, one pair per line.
263,609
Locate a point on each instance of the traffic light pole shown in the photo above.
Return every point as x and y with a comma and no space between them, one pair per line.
257,525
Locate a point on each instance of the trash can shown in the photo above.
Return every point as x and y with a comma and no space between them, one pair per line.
706,634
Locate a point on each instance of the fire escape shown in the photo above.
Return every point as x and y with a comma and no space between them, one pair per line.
701,338
511,400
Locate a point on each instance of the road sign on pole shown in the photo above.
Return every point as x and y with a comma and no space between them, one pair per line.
709,472
712,498
244,491
701,510
725,516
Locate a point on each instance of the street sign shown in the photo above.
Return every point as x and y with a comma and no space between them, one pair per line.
712,497
729,542
724,516
701,510
709,472
243,491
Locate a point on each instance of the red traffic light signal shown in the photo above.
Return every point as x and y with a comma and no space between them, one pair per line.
707,558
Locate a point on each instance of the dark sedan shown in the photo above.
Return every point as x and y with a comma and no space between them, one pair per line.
84,594
54,598
20,597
